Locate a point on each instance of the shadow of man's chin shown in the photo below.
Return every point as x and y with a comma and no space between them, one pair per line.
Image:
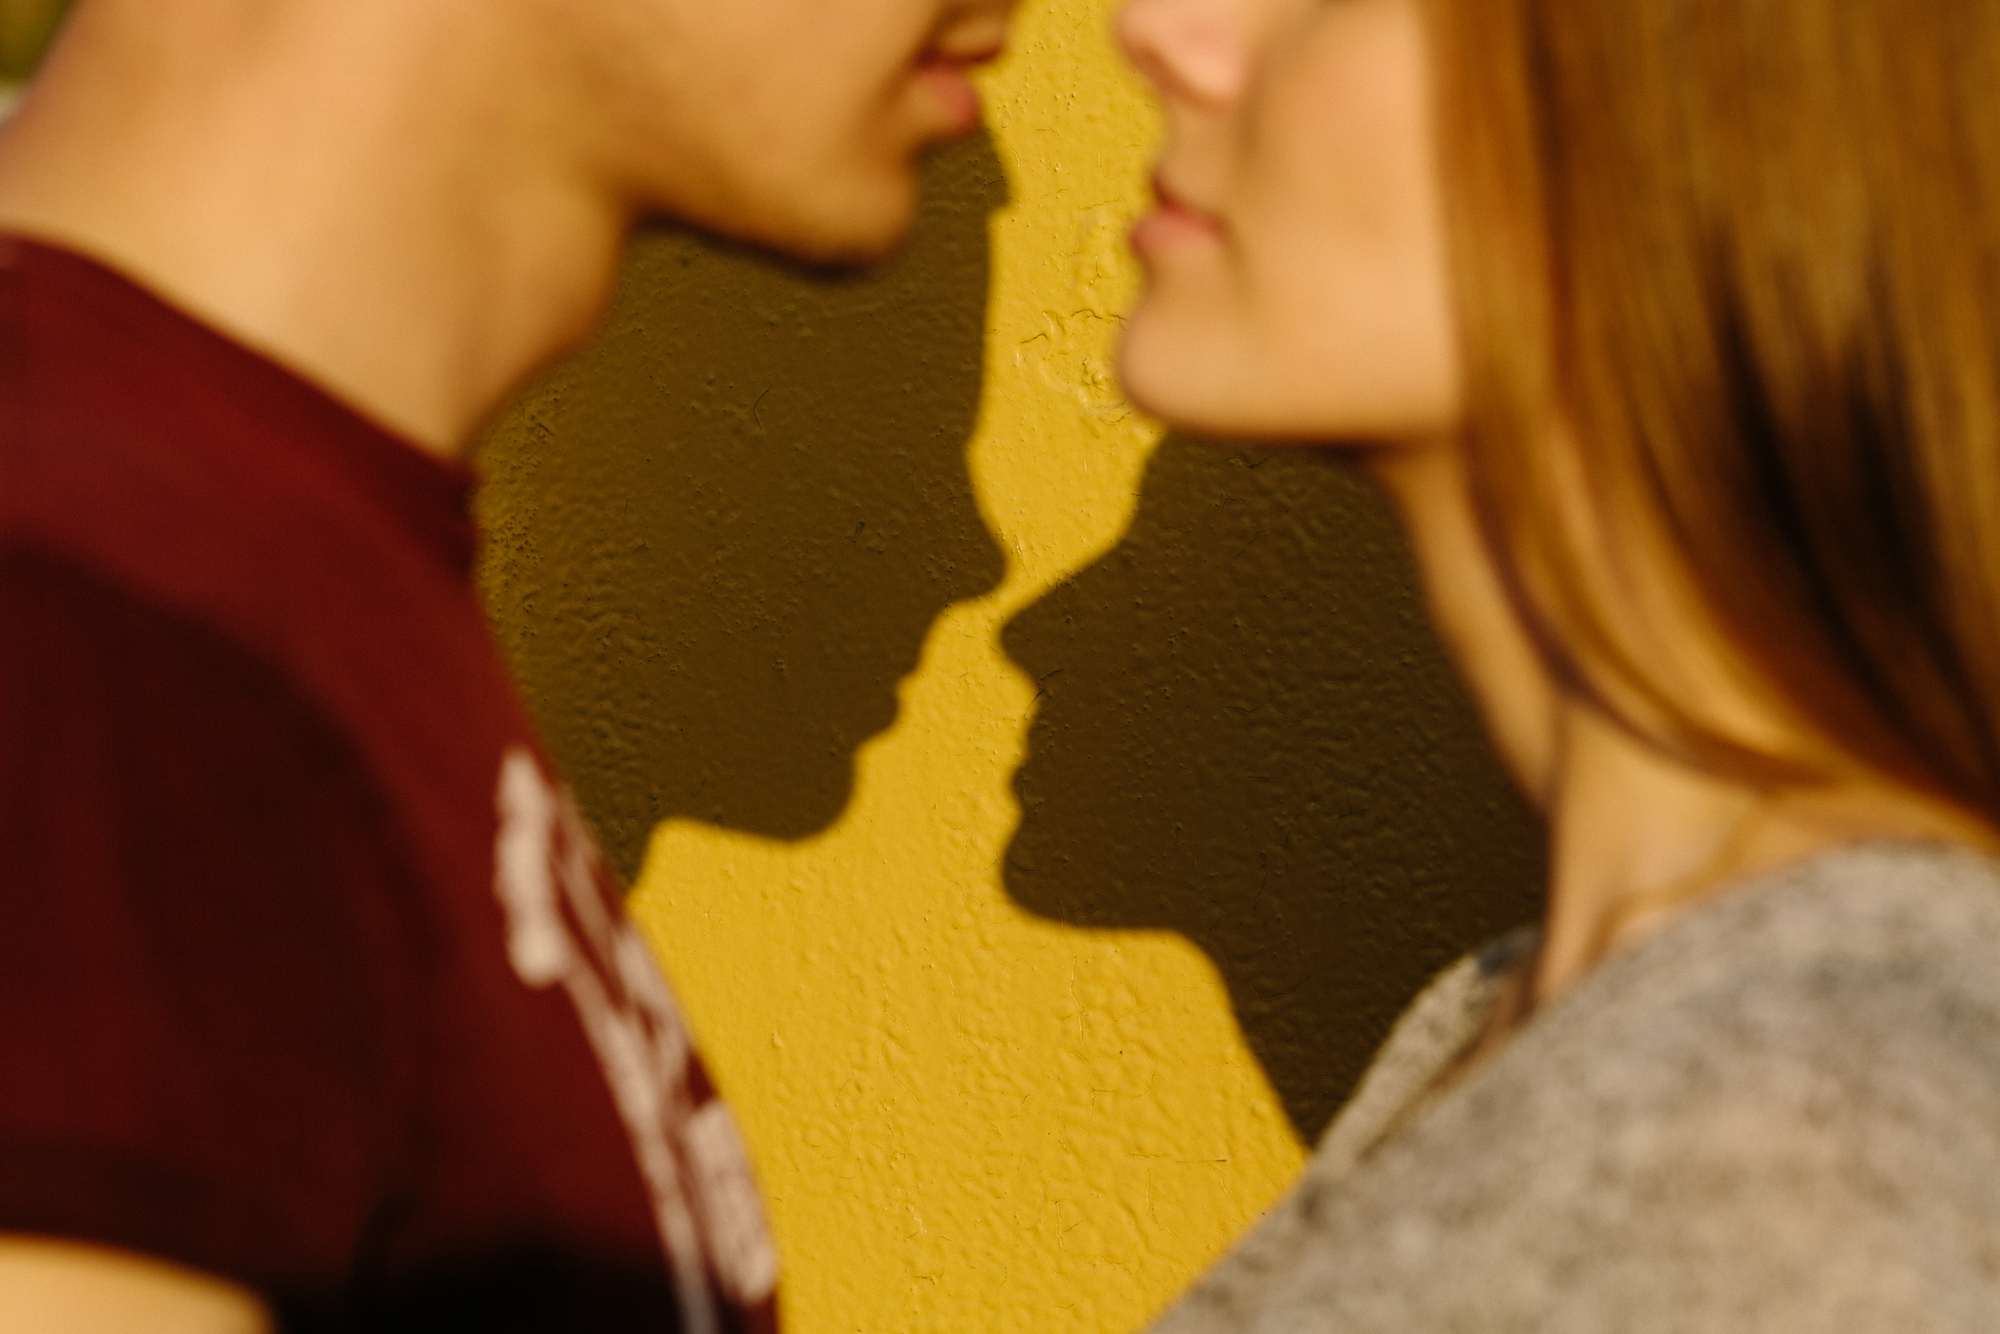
1247,735
721,533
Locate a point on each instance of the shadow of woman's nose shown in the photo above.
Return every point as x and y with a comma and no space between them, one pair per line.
720,534
1246,734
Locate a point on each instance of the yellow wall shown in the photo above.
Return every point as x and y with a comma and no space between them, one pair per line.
966,1119
723,535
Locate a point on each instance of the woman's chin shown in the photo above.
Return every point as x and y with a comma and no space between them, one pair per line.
1198,387
1180,390
1146,368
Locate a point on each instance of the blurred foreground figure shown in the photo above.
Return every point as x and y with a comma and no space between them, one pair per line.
1672,329
317,1009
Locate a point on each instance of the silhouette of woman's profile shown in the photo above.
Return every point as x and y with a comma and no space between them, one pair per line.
1246,734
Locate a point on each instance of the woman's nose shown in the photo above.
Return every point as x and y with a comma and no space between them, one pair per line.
1192,49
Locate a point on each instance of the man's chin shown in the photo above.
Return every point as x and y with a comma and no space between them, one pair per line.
851,227
848,222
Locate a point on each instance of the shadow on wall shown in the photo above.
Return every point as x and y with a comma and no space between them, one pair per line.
25,29
1247,734
719,536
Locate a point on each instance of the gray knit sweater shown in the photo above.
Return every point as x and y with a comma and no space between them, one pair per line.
1780,1114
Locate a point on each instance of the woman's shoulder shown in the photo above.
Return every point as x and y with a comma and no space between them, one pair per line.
1896,943
1782,1112
1923,916
1427,1041
1840,1017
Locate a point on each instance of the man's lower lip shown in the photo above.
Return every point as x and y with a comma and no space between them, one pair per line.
1168,227
948,86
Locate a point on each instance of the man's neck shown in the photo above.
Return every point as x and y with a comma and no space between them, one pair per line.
365,200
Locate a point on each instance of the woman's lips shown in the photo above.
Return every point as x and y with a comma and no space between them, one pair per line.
1173,222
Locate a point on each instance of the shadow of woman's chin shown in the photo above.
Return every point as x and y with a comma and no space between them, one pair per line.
1246,734
721,533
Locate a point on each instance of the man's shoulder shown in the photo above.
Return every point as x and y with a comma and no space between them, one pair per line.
133,432
205,479
99,680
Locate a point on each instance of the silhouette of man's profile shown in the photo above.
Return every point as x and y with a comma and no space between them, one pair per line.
1246,734
721,533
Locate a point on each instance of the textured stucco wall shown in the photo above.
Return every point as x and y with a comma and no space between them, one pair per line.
1013,1052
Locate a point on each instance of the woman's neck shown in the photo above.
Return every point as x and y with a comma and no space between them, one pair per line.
1636,836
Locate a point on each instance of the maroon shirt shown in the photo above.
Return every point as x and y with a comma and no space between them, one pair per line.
309,974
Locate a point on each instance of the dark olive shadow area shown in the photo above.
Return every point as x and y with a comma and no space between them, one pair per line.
718,537
26,28
1247,734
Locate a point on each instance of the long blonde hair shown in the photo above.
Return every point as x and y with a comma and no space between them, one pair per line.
1749,251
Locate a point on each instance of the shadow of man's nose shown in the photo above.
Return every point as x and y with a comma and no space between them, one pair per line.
1246,734
721,533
